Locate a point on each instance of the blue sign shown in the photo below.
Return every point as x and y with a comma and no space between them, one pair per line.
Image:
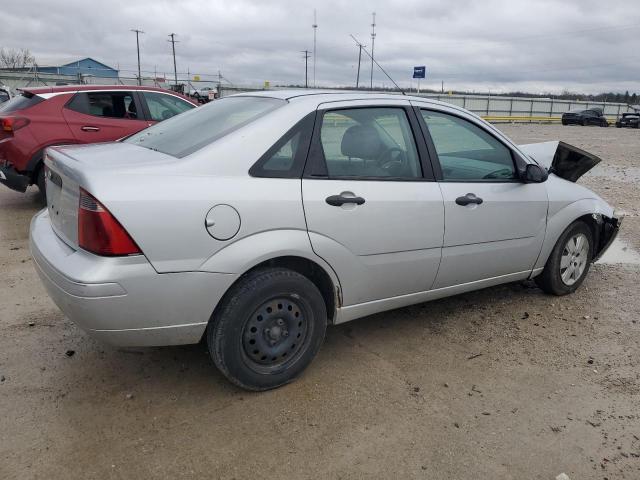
419,72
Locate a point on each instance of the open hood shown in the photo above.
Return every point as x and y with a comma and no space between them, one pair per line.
561,159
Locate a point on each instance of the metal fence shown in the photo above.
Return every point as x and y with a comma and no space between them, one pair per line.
492,108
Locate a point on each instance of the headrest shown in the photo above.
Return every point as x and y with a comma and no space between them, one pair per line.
361,141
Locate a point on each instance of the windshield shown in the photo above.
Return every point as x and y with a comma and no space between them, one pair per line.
197,128
21,102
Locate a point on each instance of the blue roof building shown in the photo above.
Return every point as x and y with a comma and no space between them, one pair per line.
84,66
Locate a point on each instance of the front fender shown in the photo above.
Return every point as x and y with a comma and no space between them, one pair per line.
560,219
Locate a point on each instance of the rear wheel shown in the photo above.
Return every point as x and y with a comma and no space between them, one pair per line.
268,329
564,122
569,261
584,122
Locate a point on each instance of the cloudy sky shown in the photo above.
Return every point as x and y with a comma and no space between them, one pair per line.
499,45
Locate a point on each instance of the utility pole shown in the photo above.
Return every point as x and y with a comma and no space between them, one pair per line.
173,47
306,68
373,42
360,46
138,32
315,28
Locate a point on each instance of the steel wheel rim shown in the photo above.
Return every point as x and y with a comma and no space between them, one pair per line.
573,261
275,334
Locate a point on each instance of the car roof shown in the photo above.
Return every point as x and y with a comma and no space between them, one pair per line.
79,88
323,96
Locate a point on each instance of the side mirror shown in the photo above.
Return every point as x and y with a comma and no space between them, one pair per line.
534,174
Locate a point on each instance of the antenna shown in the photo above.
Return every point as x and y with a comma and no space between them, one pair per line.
380,67
315,28
373,42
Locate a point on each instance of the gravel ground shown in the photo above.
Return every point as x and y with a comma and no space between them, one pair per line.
505,383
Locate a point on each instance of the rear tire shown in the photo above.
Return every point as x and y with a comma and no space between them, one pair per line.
564,122
569,262
267,329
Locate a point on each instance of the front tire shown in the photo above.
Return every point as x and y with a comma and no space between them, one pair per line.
268,328
569,262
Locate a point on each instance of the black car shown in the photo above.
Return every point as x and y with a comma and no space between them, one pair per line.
592,116
4,95
629,120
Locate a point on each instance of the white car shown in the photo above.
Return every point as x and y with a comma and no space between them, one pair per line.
258,219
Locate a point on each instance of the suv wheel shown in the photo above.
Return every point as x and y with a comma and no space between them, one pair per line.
268,328
569,261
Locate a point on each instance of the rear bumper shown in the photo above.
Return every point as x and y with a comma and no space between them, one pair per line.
123,300
14,180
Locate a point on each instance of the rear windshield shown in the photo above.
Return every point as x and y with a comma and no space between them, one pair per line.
21,102
197,128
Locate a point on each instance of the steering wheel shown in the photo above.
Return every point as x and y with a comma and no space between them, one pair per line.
501,173
392,159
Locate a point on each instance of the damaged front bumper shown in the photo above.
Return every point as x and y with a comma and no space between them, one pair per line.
606,232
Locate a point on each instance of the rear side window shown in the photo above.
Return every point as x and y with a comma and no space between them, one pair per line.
375,142
105,104
199,127
162,106
21,102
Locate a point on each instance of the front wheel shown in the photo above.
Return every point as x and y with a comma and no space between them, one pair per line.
268,328
569,261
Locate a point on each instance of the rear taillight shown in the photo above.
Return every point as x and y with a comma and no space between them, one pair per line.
12,124
99,232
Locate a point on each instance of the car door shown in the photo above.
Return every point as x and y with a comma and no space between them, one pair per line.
372,208
103,116
162,106
494,223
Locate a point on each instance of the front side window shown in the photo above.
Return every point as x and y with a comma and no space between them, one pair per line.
187,133
369,143
466,151
163,106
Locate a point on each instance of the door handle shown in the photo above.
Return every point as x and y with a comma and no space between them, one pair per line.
469,198
339,200
87,128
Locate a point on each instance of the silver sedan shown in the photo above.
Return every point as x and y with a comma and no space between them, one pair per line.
257,220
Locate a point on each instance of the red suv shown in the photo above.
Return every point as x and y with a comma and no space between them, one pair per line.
42,117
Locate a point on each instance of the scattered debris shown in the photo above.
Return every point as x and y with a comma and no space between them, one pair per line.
486,413
446,385
2,379
32,324
456,424
563,476
525,315
129,396
70,353
474,356
594,424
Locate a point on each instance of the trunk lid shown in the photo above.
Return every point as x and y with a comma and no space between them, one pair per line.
72,167
561,159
